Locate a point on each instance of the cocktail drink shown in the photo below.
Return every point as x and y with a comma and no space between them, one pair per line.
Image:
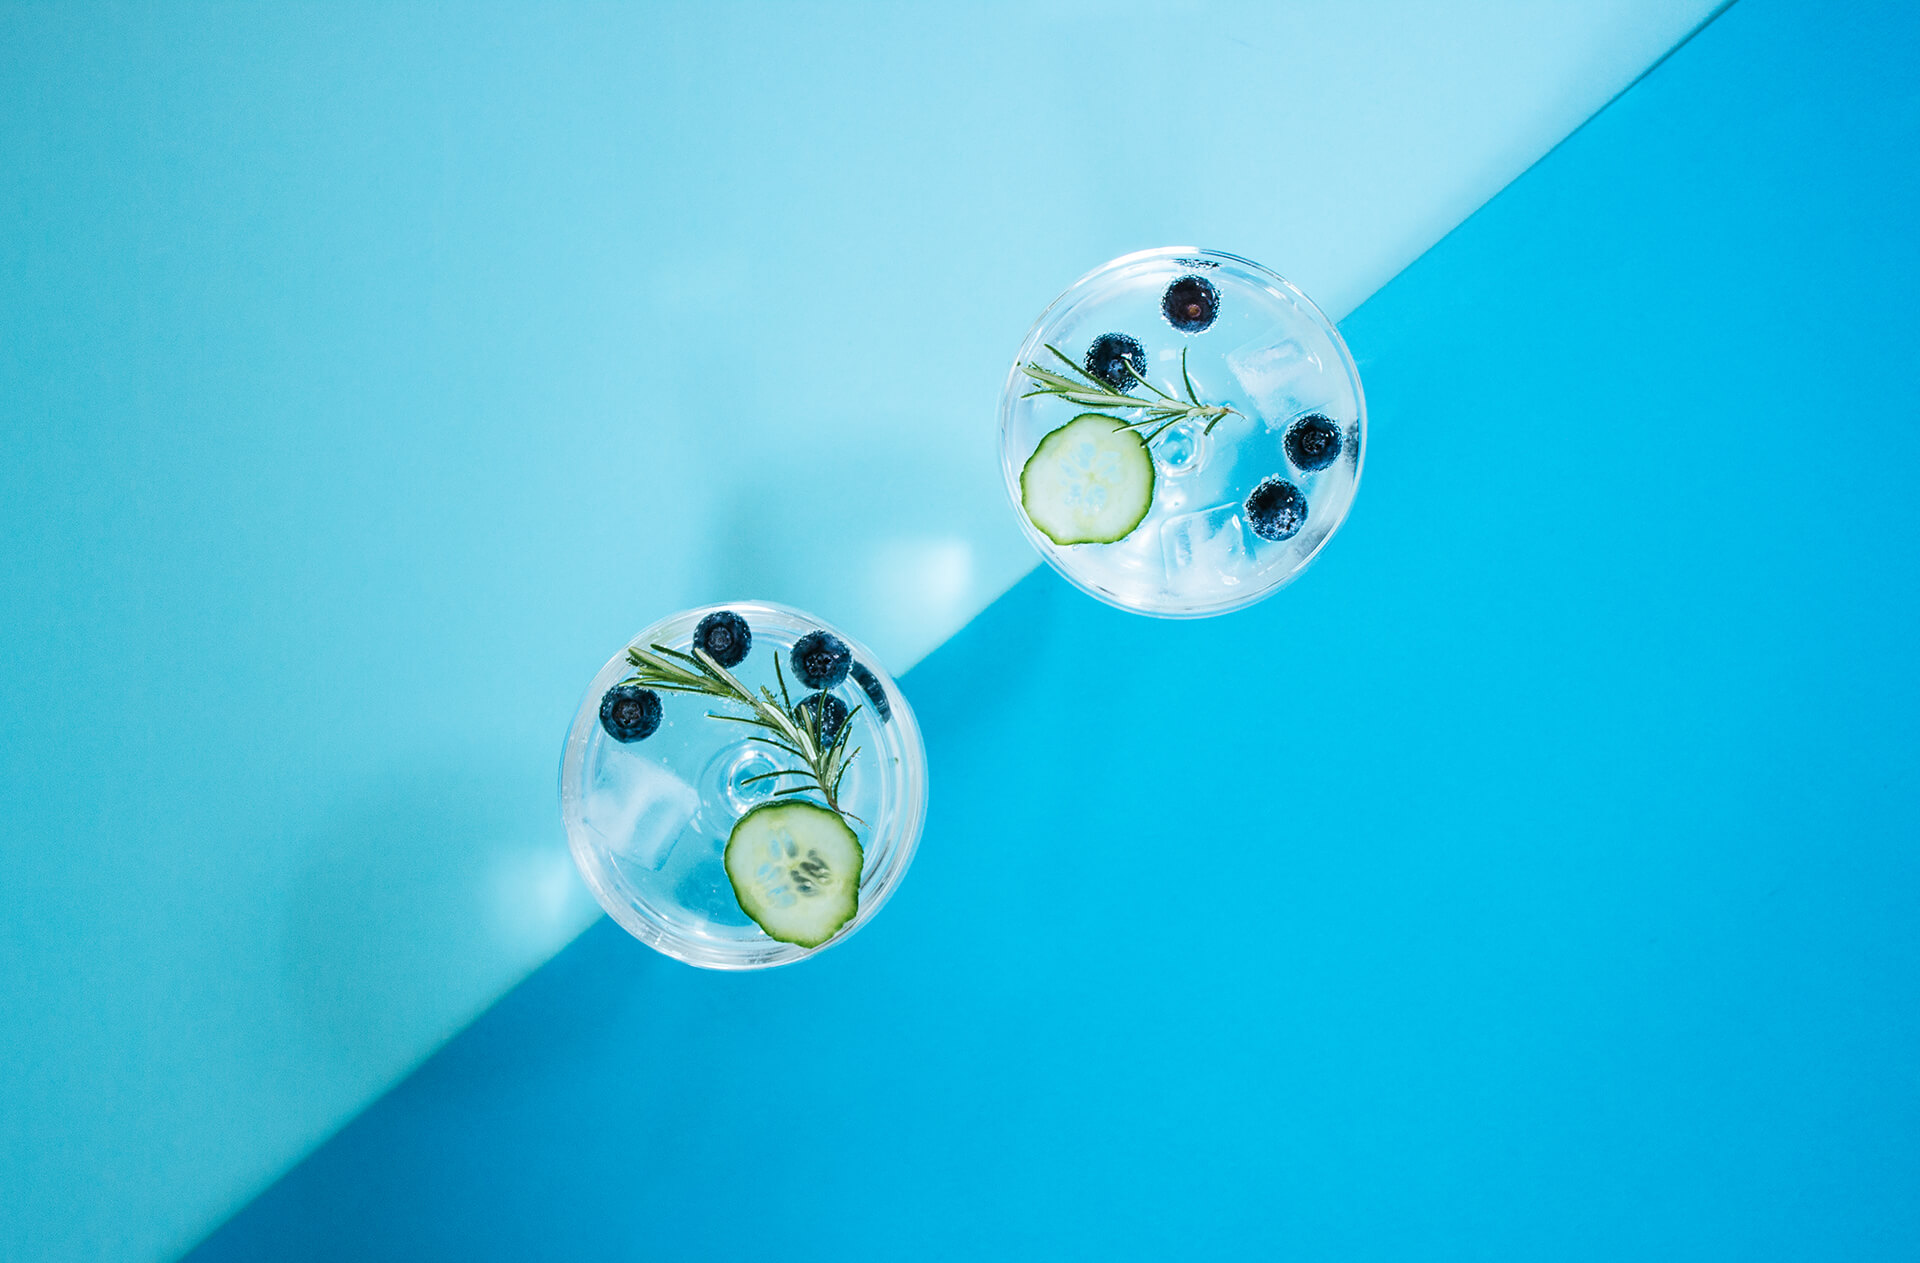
742,786
1182,432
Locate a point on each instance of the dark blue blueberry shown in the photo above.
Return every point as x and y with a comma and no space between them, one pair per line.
1190,304
831,712
821,660
876,693
725,636
1276,510
629,712
1108,357
1313,442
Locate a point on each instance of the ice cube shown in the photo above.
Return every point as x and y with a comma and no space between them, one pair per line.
1278,377
638,807
1207,548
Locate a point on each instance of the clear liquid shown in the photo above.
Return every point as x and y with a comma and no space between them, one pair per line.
649,820
1271,355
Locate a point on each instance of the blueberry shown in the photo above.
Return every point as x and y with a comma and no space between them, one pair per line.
1108,357
1276,510
1313,442
629,712
831,713
725,636
1190,304
821,660
877,694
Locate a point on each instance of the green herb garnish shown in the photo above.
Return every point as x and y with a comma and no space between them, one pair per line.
1090,392
826,762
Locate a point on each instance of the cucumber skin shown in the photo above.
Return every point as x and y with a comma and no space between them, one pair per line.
1153,484
853,908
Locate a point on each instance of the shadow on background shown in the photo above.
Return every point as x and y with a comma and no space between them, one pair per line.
360,946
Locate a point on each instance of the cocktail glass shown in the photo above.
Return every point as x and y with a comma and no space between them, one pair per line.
678,741
1182,432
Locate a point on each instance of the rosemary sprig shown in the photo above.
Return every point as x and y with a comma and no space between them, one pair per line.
1087,391
825,763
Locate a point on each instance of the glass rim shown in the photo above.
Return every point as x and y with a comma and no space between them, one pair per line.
634,914
1014,388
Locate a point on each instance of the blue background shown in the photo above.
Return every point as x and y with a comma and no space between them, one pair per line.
368,368
1535,879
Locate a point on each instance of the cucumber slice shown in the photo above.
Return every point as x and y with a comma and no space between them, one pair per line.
795,868
1089,482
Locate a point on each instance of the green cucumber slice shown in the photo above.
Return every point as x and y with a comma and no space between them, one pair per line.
795,868
1089,482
